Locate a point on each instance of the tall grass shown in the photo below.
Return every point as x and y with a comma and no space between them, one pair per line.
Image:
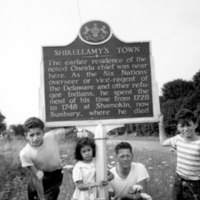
161,167
13,178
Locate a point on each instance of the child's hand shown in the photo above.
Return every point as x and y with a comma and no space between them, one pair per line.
104,182
75,130
69,130
161,118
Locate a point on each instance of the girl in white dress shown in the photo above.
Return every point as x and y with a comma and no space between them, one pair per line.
84,171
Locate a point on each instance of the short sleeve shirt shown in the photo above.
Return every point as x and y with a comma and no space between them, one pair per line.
121,185
188,157
84,171
45,157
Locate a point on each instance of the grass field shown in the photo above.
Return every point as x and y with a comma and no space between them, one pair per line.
13,178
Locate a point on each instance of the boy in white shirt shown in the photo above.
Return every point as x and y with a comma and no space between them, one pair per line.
41,157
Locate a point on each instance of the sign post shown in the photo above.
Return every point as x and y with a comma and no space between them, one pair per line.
100,137
99,82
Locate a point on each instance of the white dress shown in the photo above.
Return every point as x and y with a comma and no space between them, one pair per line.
87,173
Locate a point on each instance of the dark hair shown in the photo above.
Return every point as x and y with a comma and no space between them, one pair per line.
33,122
184,116
123,145
81,143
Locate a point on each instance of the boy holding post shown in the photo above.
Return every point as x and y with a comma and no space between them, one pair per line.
41,157
187,144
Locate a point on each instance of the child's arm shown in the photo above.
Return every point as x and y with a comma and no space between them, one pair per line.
37,181
61,133
69,130
164,141
110,177
87,186
77,176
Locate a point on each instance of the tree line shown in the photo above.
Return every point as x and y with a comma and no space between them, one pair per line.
175,95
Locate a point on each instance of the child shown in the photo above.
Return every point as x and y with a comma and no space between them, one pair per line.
42,158
84,171
187,144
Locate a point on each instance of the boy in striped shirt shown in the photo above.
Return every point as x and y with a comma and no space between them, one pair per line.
187,144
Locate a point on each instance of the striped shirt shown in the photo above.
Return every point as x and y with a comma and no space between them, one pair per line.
188,157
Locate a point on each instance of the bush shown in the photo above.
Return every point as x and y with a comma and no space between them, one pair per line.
13,177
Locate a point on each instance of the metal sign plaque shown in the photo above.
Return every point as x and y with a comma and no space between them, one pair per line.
98,79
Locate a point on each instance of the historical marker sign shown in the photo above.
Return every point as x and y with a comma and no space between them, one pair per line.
98,79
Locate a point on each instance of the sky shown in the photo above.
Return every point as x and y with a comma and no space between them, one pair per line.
172,27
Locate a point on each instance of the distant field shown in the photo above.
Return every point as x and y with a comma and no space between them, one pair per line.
132,137
142,143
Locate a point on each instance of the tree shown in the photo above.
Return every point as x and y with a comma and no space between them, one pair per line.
169,110
154,130
197,112
196,81
138,128
193,100
145,130
177,89
2,123
18,129
176,95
